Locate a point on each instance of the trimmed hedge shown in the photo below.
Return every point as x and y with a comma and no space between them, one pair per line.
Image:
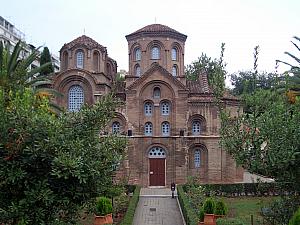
253,189
188,212
229,221
128,218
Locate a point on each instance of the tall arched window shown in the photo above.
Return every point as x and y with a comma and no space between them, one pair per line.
76,98
174,54
148,108
116,127
79,59
174,70
137,71
196,127
165,108
156,92
65,60
96,61
155,53
197,158
148,129
138,54
165,129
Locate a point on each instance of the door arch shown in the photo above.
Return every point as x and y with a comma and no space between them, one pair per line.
157,166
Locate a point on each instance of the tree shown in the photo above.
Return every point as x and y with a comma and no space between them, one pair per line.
51,166
46,58
204,63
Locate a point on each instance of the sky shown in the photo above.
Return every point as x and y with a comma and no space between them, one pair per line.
240,24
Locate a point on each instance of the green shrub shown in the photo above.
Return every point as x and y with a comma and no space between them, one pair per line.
209,206
103,206
296,218
128,218
229,221
188,211
201,214
221,208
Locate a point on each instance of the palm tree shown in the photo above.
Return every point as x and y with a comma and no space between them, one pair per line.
15,74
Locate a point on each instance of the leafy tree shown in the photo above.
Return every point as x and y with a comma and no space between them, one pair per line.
50,166
46,58
203,63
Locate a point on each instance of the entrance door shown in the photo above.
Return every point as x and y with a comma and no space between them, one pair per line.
157,171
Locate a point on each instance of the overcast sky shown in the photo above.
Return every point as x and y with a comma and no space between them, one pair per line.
241,24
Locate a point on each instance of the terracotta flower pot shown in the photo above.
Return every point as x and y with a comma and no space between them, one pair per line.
209,219
99,220
109,219
201,223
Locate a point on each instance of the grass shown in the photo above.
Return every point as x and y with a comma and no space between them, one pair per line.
244,207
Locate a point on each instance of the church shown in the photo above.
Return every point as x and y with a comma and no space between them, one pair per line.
172,124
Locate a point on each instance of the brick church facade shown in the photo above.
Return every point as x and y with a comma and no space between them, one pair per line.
172,123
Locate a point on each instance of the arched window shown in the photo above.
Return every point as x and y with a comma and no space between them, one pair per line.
116,127
79,59
174,70
76,98
197,158
137,70
148,129
96,59
138,54
174,54
65,60
196,127
156,92
148,109
157,152
165,129
155,53
165,108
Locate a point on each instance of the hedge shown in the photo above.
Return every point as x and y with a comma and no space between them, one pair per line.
188,212
229,221
128,218
253,189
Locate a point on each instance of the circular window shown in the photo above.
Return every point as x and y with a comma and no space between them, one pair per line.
157,152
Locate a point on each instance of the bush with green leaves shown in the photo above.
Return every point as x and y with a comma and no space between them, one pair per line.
209,206
220,208
229,221
103,206
201,214
128,218
296,218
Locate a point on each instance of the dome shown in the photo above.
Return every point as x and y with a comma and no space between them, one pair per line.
84,41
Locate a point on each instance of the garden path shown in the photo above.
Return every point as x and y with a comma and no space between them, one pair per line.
157,207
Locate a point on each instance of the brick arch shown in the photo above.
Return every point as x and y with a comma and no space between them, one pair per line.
201,119
119,117
157,83
132,50
147,149
202,171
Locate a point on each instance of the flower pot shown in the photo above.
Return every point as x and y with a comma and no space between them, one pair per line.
99,220
109,219
201,223
209,219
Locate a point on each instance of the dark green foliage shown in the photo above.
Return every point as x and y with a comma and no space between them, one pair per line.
46,58
128,218
103,206
296,218
188,211
281,210
221,208
209,206
201,214
229,221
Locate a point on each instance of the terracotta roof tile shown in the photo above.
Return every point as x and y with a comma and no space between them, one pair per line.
86,41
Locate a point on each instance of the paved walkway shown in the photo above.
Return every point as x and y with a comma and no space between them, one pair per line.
157,207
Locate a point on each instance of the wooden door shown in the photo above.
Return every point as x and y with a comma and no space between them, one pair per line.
157,172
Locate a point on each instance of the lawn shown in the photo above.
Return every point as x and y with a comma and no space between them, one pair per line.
244,207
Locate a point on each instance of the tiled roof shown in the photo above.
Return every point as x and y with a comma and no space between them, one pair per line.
157,29
86,41
199,86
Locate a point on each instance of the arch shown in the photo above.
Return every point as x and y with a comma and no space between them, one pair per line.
137,70
137,54
148,108
65,60
80,59
155,52
96,61
198,155
197,124
119,118
148,129
165,107
116,127
155,45
156,92
174,54
157,152
75,98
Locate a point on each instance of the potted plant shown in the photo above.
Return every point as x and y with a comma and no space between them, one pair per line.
103,211
220,209
201,216
209,209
